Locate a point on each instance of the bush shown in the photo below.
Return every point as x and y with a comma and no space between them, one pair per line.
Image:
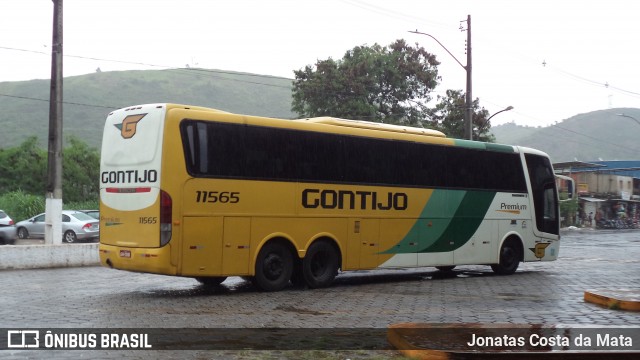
20,206
82,205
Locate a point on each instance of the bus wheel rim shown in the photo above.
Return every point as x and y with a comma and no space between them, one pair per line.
273,266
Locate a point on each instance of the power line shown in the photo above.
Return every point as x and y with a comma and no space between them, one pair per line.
403,16
392,13
590,81
598,140
213,73
64,102
172,68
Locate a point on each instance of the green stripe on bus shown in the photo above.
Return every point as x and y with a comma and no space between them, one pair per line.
464,223
500,148
484,146
449,216
470,144
438,212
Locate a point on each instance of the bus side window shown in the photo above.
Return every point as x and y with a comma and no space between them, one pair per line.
203,159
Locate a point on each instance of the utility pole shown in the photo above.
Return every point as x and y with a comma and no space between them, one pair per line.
468,110
53,205
469,101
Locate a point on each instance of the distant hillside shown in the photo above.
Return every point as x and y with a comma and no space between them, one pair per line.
596,135
89,98
511,133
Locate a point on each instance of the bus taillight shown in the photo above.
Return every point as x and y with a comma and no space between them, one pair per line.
166,214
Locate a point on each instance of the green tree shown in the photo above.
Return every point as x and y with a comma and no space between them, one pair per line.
388,84
23,167
448,117
80,174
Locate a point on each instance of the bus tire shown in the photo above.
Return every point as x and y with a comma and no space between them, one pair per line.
211,280
320,264
274,266
510,256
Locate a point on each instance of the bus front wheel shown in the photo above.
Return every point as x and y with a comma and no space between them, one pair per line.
510,256
320,264
274,266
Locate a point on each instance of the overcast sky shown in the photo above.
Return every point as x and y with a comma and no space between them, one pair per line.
591,48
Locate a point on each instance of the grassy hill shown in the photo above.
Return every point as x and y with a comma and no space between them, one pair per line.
89,98
596,135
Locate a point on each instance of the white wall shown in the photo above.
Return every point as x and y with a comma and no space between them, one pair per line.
48,256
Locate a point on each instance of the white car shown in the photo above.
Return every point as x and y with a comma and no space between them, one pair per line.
76,225
7,229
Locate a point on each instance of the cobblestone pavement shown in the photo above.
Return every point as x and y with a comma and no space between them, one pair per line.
541,293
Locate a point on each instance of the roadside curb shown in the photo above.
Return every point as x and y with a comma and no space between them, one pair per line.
618,299
13,257
449,342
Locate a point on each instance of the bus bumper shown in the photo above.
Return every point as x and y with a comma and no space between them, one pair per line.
543,251
149,260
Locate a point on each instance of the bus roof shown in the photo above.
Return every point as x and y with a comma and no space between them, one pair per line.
356,125
373,126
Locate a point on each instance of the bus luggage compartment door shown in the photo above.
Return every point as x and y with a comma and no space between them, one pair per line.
236,246
201,246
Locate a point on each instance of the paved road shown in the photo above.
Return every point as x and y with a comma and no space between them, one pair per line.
544,293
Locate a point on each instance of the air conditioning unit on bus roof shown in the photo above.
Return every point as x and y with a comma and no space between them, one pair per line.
373,126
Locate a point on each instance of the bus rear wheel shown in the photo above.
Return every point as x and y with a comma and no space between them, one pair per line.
274,266
510,256
320,264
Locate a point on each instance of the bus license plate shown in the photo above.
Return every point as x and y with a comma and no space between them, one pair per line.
125,254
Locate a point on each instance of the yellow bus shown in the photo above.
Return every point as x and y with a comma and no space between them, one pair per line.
203,193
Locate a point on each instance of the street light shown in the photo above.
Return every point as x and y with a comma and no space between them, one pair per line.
503,110
630,117
468,114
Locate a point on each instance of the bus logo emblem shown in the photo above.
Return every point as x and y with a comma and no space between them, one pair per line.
539,249
129,125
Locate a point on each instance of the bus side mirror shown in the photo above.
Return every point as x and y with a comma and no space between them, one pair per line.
567,188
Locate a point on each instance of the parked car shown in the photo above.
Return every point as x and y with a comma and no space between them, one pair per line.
93,213
76,225
7,229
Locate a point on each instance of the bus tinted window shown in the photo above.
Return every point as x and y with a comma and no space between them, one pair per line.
266,153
